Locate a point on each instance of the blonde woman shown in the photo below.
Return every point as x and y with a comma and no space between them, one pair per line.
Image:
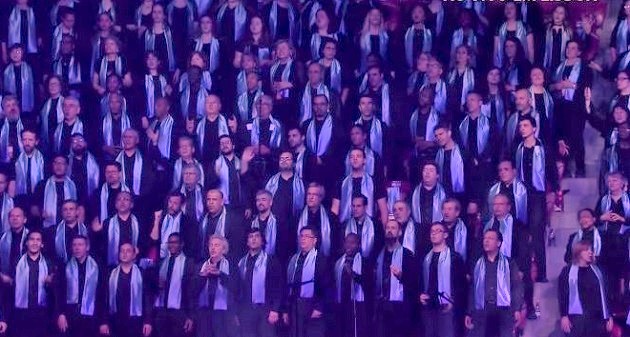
373,37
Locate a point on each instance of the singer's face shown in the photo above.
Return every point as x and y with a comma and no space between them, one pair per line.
351,244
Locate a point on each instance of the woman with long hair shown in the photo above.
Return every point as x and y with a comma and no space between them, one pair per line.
207,44
256,42
557,34
323,31
112,62
159,39
515,67
373,37
513,27
460,81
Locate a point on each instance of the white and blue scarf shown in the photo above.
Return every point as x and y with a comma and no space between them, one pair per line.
370,161
4,139
201,130
443,274
574,76
320,145
506,227
432,121
165,135
356,293
15,30
427,44
60,239
483,132
521,35
77,127
222,170
439,102
213,55
456,167
149,45
135,302
170,224
28,84
90,284
175,291
245,111
285,76
259,276
575,304
5,248
538,169
520,198
21,168
367,190
298,190
307,280
184,101
565,36
136,184
6,205
439,195
366,235
51,202
240,19
103,69
22,275
74,70
113,237
468,83
273,21
316,43
325,228
396,288
271,231
275,128
198,201
376,135
504,297
149,89
306,107
108,121
366,47
43,115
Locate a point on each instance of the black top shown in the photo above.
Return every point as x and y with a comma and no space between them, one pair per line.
588,291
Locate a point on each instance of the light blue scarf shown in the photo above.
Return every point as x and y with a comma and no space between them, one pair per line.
43,115
468,83
113,237
137,171
22,275
312,15
443,274
74,70
149,89
190,15
412,81
270,233
597,240
164,135
499,106
575,304
457,167
201,130
376,134
90,284
483,132
439,102
28,85
220,227
198,202
174,300
77,127
298,190
606,202
458,40
396,288
5,248
102,73
439,195
356,293
512,126
506,227
565,36
370,161
504,297
286,74
574,76
184,101
206,81
460,239
240,19
135,302
549,104
15,30
316,145
177,172
622,36
335,75
307,280
104,195
60,239
149,45
306,107
325,230
54,11
58,34
366,235
4,140
385,107
6,207
21,168
275,128
273,21
538,169
520,198
316,43
170,224
521,35
259,276
432,121
366,47
222,171
108,121
213,56
427,44
245,111
367,189
409,236
51,202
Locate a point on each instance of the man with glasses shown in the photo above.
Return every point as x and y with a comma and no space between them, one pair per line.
83,168
174,303
443,286
287,189
308,282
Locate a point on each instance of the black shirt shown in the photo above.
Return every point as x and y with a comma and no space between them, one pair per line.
472,137
282,205
129,163
79,176
227,24
82,266
169,275
16,249
447,181
123,293
432,290
282,27
246,285
125,231
33,282
490,285
387,262
421,126
211,140
528,167
297,276
426,204
60,198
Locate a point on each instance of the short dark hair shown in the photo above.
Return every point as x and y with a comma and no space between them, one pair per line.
529,118
310,228
363,198
494,230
